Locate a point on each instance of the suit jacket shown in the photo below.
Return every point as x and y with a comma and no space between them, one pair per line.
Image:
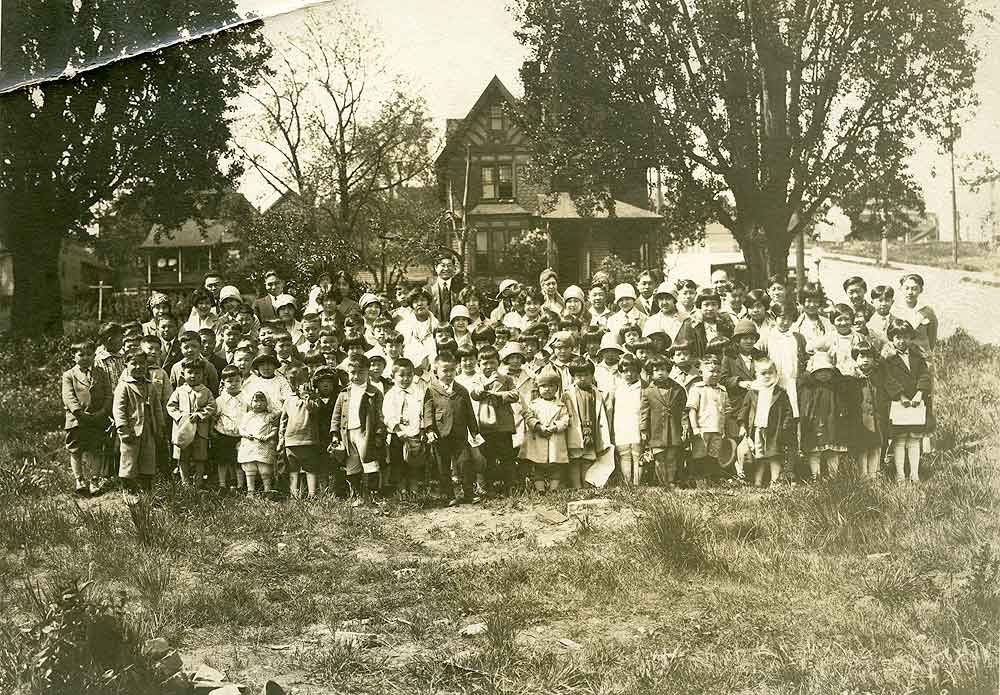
440,304
602,430
901,382
734,370
503,394
450,415
371,421
264,309
663,414
91,394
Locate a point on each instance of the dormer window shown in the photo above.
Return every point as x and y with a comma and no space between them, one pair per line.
496,117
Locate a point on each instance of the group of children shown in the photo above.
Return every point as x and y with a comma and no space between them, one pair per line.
664,384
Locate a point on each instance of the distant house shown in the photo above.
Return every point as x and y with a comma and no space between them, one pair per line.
177,259
484,178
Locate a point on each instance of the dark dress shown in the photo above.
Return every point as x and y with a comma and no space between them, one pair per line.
867,406
823,415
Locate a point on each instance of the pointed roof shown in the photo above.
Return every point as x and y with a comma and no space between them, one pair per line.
560,206
456,127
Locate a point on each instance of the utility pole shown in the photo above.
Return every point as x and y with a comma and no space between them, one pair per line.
954,132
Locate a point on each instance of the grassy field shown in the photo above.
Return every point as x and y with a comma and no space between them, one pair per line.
972,256
843,587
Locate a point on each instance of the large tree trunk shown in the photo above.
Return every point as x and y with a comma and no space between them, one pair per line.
765,255
35,246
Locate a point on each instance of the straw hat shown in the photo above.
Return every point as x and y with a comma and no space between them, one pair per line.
624,291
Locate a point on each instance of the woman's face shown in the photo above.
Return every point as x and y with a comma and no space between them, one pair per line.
286,313
911,291
472,304
574,306
549,285
686,296
344,286
811,306
161,309
371,312
757,312
843,323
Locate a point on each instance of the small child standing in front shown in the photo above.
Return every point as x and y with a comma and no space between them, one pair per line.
546,420
662,425
589,433
707,404
136,423
297,435
358,429
822,416
258,443
628,398
405,420
867,408
766,420
191,406
86,396
908,388
229,410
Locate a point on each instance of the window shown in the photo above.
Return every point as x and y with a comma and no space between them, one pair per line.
491,246
496,117
498,182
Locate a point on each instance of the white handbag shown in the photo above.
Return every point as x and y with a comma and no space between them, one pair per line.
908,416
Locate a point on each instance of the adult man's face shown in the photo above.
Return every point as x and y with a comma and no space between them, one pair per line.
445,270
213,283
273,285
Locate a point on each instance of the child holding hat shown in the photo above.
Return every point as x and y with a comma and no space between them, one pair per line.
662,423
738,371
589,433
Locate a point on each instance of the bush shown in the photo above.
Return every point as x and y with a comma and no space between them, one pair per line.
676,533
78,645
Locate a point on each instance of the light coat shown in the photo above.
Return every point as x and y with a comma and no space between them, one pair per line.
88,393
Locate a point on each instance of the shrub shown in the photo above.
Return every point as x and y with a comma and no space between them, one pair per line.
78,645
676,533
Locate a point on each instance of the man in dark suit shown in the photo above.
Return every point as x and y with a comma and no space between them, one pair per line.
264,306
444,289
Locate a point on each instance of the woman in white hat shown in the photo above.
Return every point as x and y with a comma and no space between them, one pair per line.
371,309
505,298
575,304
627,312
159,306
668,318
286,309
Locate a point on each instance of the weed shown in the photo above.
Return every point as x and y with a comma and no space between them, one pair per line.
894,585
677,533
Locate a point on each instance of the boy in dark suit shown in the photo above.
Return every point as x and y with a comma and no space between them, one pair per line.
358,430
663,427
452,421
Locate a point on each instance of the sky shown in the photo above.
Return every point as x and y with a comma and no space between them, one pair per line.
449,51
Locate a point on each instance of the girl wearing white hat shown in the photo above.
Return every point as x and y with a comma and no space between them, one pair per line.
627,312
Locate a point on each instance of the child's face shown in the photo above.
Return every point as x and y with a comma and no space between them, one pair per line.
583,380
394,350
357,373
574,306
283,347
746,343
811,306
593,347
246,320
563,350
823,376
547,392
446,372
784,323
901,342
166,329
710,373
266,369
668,305
682,359
502,335
631,337
610,357
208,342
242,361
631,373
232,337
468,364
659,343
460,324
113,342
204,307
686,296
757,312
883,305
84,358
642,353
355,349
710,310
377,367
625,304
661,373
777,294
233,384
442,335
326,388
259,404
266,335
136,368
531,307
598,298
193,377
859,324
153,352
403,377
371,312
843,323
420,308
514,363
489,366
311,331
552,321
191,348
865,362
328,344
856,294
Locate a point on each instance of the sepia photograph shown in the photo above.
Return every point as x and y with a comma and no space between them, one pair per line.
518,347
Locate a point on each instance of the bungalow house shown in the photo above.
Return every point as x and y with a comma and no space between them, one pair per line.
484,177
178,259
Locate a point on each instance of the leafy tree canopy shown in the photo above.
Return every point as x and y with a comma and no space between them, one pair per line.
156,125
757,114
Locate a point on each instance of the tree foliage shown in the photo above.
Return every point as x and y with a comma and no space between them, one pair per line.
756,114
524,257
155,125
332,127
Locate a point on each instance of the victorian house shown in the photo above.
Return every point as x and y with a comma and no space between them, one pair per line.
484,177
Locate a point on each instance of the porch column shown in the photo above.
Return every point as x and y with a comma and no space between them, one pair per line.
180,268
210,258
550,247
149,268
587,270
